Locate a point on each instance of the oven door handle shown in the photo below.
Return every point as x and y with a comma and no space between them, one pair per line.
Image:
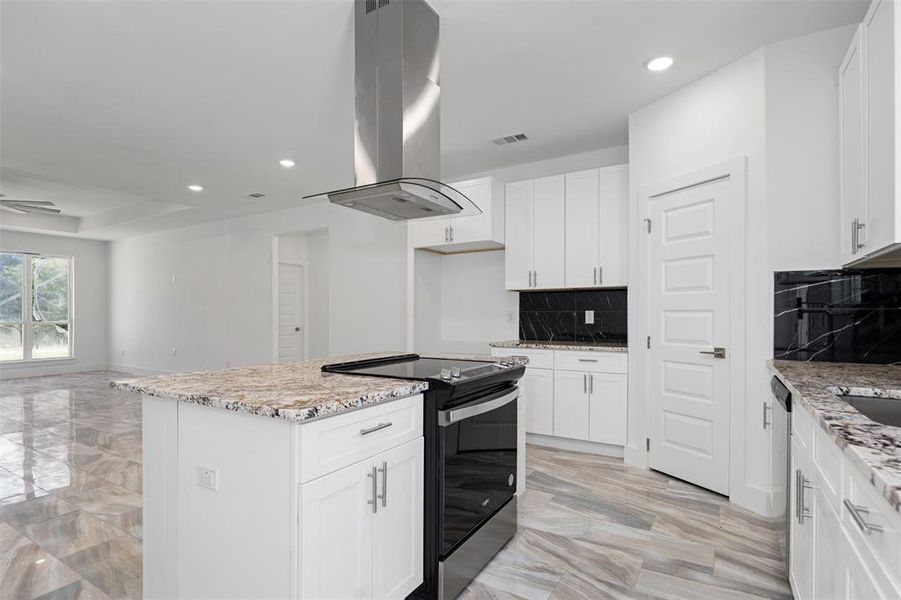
448,417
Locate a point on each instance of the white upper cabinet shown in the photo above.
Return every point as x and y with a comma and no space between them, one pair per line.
852,177
568,231
548,232
535,234
583,230
870,138
467,233
518,254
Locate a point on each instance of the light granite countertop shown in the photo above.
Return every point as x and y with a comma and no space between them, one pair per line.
875,448
293,392
559,345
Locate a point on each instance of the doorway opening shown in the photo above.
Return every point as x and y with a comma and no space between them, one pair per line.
300,297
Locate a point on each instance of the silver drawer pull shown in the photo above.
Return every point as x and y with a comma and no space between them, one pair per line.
857,513
376,428
384,495
592,360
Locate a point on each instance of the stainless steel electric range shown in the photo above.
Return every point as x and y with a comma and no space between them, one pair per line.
470,461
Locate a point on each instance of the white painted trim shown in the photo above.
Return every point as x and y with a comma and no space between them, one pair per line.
132,370
736,169
550,441
23,370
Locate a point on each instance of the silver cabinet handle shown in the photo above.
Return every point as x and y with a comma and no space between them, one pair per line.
452,232
375,484
595,275
801,484
766,422
530,279
384,496
591,384
584,383
378,427
857,513
715,353
856,226
589,360
536,278
600,275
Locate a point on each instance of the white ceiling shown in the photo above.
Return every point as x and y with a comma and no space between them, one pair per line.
111,108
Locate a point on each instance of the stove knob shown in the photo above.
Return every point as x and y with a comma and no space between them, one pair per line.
455,372
445,374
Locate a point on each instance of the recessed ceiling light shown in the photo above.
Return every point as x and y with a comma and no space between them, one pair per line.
661,63
286,162
195,188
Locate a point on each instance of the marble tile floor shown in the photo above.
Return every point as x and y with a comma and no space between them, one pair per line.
591,527
70,489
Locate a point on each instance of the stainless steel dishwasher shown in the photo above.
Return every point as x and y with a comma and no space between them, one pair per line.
781,416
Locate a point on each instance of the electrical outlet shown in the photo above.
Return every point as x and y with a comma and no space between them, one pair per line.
208,478
173,278
589,317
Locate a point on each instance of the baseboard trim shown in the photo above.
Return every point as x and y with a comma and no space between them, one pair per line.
635,457
138,370
23,371
559,443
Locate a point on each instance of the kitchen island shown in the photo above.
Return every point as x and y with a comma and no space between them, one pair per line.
280,481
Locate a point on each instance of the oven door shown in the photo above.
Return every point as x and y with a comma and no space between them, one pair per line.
478,444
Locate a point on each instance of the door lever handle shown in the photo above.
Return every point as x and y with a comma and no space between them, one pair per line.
717,352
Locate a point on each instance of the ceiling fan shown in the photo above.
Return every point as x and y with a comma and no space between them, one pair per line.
25,207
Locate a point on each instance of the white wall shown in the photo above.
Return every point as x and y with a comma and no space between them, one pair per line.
718,118
318,294
219,310
89,326
461,304
593,159
778,107
802,150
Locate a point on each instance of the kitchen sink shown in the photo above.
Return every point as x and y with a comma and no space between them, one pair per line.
882,410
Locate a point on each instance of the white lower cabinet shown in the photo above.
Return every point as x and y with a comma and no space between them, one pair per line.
361,528
832,555
584,400
539,401
571,402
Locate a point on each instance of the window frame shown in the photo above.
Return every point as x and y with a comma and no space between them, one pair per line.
28,321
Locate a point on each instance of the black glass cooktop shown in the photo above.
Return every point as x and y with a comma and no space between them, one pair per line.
415,367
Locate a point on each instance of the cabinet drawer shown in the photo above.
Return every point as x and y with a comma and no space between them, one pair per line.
604,362
882,548
332,443
538,359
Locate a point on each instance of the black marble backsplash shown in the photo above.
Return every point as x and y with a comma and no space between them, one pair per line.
560,316
838,316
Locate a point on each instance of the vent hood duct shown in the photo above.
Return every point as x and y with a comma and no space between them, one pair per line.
397,135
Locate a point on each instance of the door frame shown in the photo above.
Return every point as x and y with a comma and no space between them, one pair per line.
304,312
735,170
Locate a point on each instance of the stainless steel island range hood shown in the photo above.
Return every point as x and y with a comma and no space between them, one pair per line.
397,134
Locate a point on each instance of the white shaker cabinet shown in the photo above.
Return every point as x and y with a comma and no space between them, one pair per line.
535,233
466,233
571,404
362,527
852,174
596,235
539,384
870,143
607,408
518,233
583,230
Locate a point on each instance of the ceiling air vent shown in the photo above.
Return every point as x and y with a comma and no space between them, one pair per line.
510,139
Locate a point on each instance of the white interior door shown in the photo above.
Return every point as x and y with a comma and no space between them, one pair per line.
689,291
290,312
